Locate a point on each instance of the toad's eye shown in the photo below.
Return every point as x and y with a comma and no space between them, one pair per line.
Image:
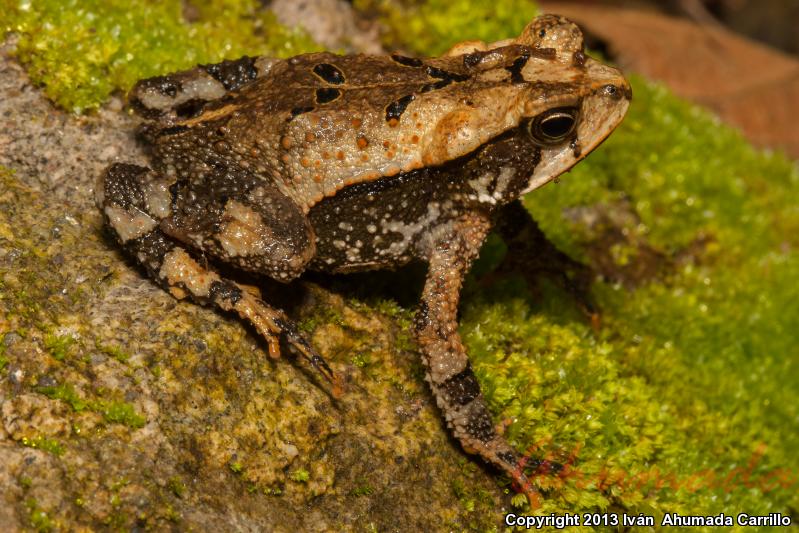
553,126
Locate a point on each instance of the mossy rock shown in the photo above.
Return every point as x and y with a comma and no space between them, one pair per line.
123,408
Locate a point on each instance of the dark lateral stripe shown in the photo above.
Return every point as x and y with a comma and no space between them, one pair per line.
224,290
461,388
407,61
326,94
516,69
233,73
395,109
329,73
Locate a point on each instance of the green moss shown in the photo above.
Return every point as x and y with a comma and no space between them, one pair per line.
236,467
58,345
39,519
363,490
432,26
44,443
321,315
109,45
66,393
113,411
177,486
301,475
118,412
115,352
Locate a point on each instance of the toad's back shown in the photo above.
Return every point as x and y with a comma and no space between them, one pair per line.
319,122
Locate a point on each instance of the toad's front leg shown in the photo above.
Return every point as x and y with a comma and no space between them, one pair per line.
454,247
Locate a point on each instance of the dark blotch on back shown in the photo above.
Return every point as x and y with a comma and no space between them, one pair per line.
299,111
329,73
396,108
545,53
435,72
434,86
326,94
509,458
233,73
407,61
516,68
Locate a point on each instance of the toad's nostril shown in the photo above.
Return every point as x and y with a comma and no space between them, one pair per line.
612,91
617,92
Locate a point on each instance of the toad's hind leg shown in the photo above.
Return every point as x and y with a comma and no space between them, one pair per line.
449,373
132,200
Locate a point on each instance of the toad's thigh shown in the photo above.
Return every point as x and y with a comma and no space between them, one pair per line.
246,222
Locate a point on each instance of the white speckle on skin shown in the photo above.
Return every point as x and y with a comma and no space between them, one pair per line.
371,228
159,199
353,255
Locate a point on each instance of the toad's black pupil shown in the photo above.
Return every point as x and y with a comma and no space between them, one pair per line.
557,126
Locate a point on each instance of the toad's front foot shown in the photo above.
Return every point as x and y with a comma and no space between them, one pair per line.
534,256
